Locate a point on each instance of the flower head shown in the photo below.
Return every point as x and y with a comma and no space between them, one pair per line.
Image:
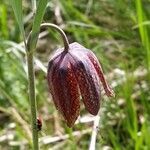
73,74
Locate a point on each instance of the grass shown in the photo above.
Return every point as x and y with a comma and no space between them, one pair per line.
118,33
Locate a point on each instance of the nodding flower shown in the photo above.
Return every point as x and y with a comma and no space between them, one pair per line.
73,75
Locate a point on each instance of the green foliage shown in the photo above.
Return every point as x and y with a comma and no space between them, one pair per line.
3,21
144,30
17,7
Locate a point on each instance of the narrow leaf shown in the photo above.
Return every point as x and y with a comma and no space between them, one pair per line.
37,22
17,7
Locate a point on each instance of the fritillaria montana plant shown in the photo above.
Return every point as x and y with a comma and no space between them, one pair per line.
74,72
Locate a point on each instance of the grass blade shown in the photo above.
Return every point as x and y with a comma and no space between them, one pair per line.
143,30
17,7
36,23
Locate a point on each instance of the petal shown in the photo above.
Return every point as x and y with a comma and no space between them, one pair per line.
94,60
55,59
88,82
52,66
82,51
65,91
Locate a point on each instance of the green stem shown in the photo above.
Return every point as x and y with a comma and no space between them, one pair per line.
62,33
57,28
32,100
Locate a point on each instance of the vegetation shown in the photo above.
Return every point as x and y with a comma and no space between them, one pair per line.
118,32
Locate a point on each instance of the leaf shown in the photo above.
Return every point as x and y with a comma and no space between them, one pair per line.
36,23
143,30
17,7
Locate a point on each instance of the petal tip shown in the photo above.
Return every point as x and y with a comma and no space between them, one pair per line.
71,121
109,92
94,113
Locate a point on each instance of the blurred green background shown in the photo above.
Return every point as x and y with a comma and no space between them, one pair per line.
118,32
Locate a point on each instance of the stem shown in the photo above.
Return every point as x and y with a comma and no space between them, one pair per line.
64,37
50,25
32,100
34,6
94,133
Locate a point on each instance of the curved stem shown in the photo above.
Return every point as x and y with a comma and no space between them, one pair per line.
50,25
65,39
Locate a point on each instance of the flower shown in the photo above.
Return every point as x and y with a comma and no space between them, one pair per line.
74,74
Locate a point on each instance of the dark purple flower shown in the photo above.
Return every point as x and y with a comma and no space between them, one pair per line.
71,74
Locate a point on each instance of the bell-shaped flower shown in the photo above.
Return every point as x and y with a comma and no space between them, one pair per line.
73,75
